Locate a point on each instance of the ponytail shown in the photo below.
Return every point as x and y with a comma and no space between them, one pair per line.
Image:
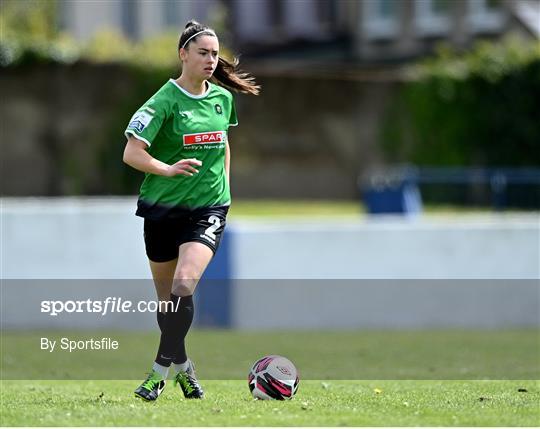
227,73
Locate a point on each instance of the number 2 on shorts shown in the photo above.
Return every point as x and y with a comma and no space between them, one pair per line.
216,223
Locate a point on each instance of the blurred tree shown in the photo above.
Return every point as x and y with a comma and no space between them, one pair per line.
29,19
474,108
30,34
109,46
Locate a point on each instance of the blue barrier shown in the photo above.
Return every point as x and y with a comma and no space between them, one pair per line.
394,190
402,189
213,294
502,187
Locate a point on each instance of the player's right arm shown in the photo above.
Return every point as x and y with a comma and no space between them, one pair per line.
136,156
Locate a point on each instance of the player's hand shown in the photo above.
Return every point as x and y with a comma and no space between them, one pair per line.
185,167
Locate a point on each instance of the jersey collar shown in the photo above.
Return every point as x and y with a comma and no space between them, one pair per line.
189,94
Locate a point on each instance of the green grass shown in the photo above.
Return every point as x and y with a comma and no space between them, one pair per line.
228,403
295,208
350,209
358,355
402,378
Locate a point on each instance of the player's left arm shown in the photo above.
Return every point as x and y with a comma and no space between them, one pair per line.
227,161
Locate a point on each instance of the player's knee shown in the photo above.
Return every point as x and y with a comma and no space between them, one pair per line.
182,290
184,284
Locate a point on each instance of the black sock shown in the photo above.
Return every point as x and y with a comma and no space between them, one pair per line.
161,320
180,355
188,308
176,324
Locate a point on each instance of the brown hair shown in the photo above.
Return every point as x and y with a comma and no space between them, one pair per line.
227,73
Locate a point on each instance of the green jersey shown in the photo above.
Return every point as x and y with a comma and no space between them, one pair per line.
177,125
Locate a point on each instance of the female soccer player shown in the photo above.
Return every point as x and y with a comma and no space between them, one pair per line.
179,139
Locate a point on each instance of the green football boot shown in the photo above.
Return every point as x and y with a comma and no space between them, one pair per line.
151,388
188,383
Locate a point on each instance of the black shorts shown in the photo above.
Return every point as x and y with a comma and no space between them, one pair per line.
162,238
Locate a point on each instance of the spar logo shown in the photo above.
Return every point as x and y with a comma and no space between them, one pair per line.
205,138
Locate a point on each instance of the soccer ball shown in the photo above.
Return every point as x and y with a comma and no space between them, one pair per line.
273,377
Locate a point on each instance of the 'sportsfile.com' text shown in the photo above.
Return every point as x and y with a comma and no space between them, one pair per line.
105,306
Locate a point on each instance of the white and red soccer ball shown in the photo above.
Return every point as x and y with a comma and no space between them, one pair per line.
273,377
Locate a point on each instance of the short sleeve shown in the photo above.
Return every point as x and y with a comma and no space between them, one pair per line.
233,120
147,121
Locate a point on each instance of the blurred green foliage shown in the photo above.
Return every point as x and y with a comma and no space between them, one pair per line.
474,108
480,107
29,20
30,35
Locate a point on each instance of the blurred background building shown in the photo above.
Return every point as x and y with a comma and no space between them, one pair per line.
369,30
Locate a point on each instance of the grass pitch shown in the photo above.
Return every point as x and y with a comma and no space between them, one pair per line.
346,355
228,403
509,359
327,209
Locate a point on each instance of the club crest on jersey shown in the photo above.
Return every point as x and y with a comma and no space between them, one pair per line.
218,108
205,138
